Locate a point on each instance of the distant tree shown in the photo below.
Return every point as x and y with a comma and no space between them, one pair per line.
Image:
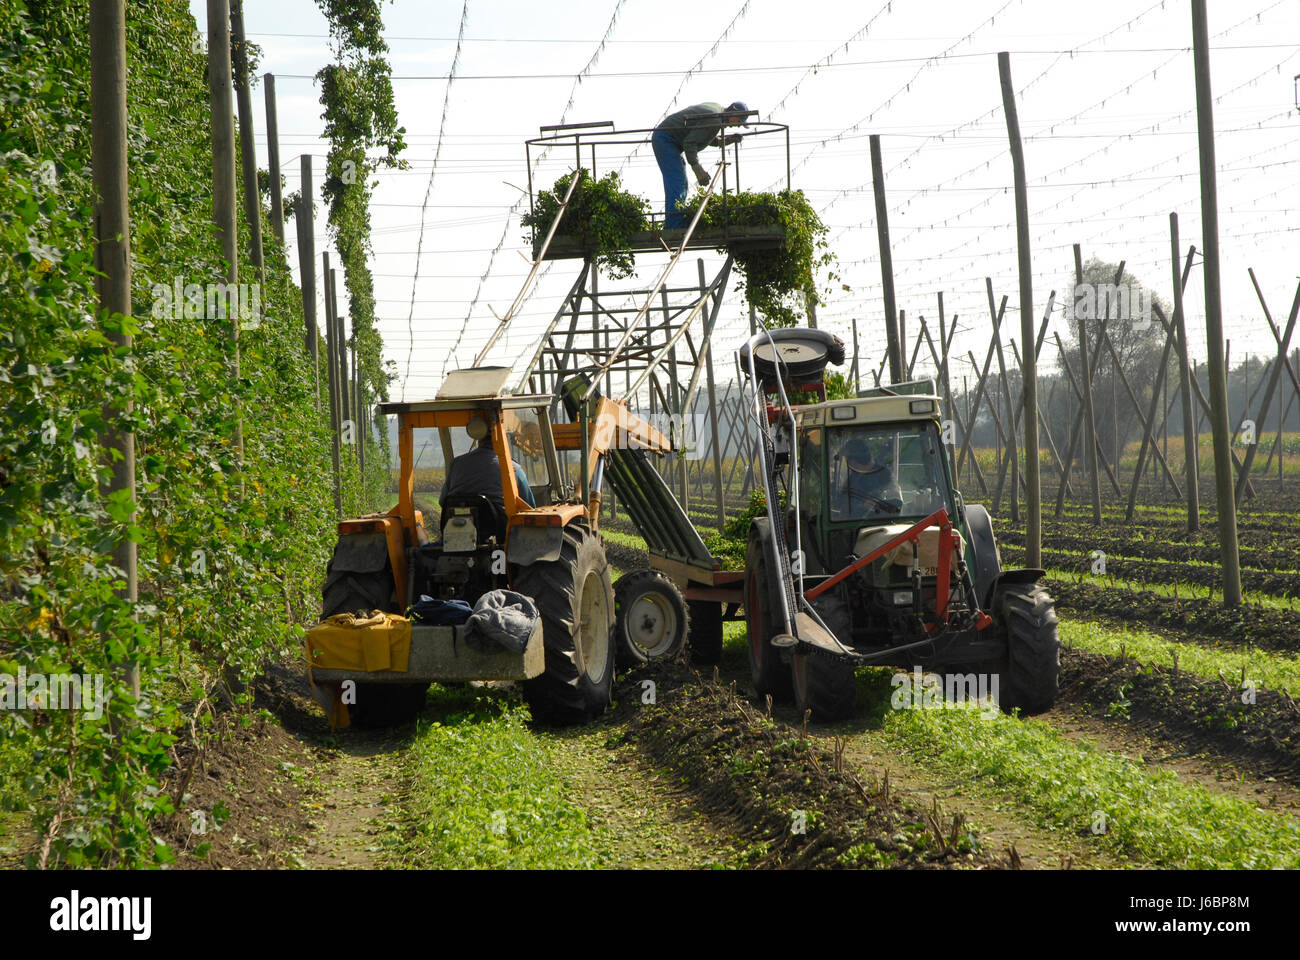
1126,308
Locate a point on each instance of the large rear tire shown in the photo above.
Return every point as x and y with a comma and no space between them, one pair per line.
822,684
652,620
706,631
576,601
768,672
1031,672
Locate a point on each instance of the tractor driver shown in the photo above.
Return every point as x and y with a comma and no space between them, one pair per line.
479,471
870,481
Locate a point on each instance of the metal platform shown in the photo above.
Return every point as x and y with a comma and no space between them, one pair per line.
657,241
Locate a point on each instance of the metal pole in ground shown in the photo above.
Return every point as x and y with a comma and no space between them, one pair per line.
1029,372
895,350
108,142
1223,479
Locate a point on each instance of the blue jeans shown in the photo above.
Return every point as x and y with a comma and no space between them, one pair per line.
673,166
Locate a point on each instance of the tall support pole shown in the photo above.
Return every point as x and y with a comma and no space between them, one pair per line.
1223,479
108,128
273,157
220,102
706,348
895,349
306,223
1191,467
1273,375
340,355
1089,415
247,141
1029,372
1004,395
857,373
332,367
902,345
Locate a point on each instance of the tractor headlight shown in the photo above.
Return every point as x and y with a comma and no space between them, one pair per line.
902,598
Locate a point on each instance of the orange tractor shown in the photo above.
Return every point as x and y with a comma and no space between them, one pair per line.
550,553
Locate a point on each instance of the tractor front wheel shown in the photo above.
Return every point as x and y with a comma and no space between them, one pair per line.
822,684
576,601
1031,670
769,673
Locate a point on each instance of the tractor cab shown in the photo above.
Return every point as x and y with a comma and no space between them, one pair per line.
868,553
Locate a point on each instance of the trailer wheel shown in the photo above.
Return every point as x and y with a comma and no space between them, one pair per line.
824,685
576,601
652,619
706,631
1031,670
769,673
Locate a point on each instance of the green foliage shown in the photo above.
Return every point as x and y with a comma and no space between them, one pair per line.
230,559
780,282
601,216
484,793
838,387
360,119
1148,815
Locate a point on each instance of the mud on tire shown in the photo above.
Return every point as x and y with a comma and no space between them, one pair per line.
652,621
822,684
770,674
1031,671
575,587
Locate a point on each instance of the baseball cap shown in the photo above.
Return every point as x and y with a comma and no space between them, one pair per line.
738,107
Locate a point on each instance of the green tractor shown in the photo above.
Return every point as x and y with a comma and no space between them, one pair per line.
868,554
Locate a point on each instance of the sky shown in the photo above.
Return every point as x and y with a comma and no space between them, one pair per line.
1106,105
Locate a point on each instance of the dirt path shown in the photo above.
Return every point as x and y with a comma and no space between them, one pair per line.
346,807
641,819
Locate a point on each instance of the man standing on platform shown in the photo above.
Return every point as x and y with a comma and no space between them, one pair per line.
675,135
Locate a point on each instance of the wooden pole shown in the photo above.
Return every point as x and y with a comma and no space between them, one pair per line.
894,348
1227,504
1267,401
247,141
304,220
1012,452
857,375
223,173
273,157
108,160
1191,466
1089,415
332,367
340,355
1029,373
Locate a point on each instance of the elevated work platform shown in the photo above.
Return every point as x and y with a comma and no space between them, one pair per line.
653,241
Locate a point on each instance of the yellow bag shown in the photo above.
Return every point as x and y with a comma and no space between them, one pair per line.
381,641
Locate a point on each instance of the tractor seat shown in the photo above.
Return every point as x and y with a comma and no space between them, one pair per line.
489,518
